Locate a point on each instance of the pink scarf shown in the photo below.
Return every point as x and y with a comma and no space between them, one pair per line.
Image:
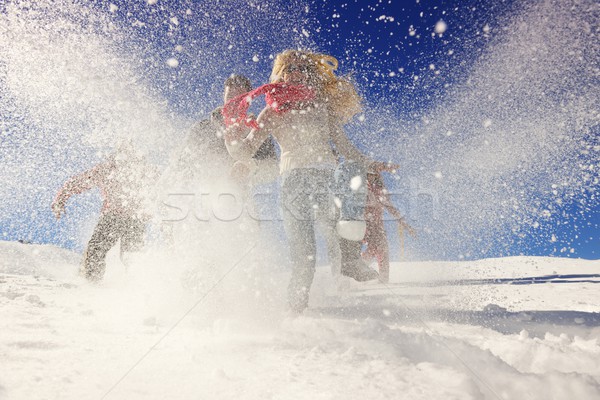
281,97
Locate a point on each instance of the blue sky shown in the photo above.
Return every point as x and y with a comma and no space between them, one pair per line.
405,70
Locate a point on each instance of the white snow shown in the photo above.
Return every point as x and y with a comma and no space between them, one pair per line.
440,27
439,330
173,62
356,183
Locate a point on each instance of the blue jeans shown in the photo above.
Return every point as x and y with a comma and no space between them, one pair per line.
306,202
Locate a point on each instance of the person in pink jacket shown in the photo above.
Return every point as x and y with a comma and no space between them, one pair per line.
123,181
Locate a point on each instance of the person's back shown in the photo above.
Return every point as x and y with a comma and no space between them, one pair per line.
130,186
123,185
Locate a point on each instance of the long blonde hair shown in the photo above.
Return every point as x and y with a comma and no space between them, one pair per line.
338,92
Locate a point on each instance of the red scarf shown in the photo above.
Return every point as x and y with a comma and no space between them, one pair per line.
281,97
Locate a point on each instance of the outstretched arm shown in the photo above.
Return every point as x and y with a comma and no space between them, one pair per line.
345,147
379,195
75,185
351,152
385,201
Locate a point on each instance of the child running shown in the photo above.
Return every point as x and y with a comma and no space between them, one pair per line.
375,238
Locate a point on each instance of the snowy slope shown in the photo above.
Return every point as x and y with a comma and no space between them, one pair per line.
468,330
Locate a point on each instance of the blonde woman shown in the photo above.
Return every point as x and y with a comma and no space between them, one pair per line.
307,106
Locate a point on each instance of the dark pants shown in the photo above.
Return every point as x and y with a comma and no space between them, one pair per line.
306,203
377,247
110,228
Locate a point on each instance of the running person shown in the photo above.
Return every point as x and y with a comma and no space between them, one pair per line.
307,106
123,180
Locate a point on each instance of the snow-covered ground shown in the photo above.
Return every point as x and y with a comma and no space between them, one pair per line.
511,328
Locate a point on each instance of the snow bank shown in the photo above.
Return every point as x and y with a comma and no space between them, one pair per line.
37,260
